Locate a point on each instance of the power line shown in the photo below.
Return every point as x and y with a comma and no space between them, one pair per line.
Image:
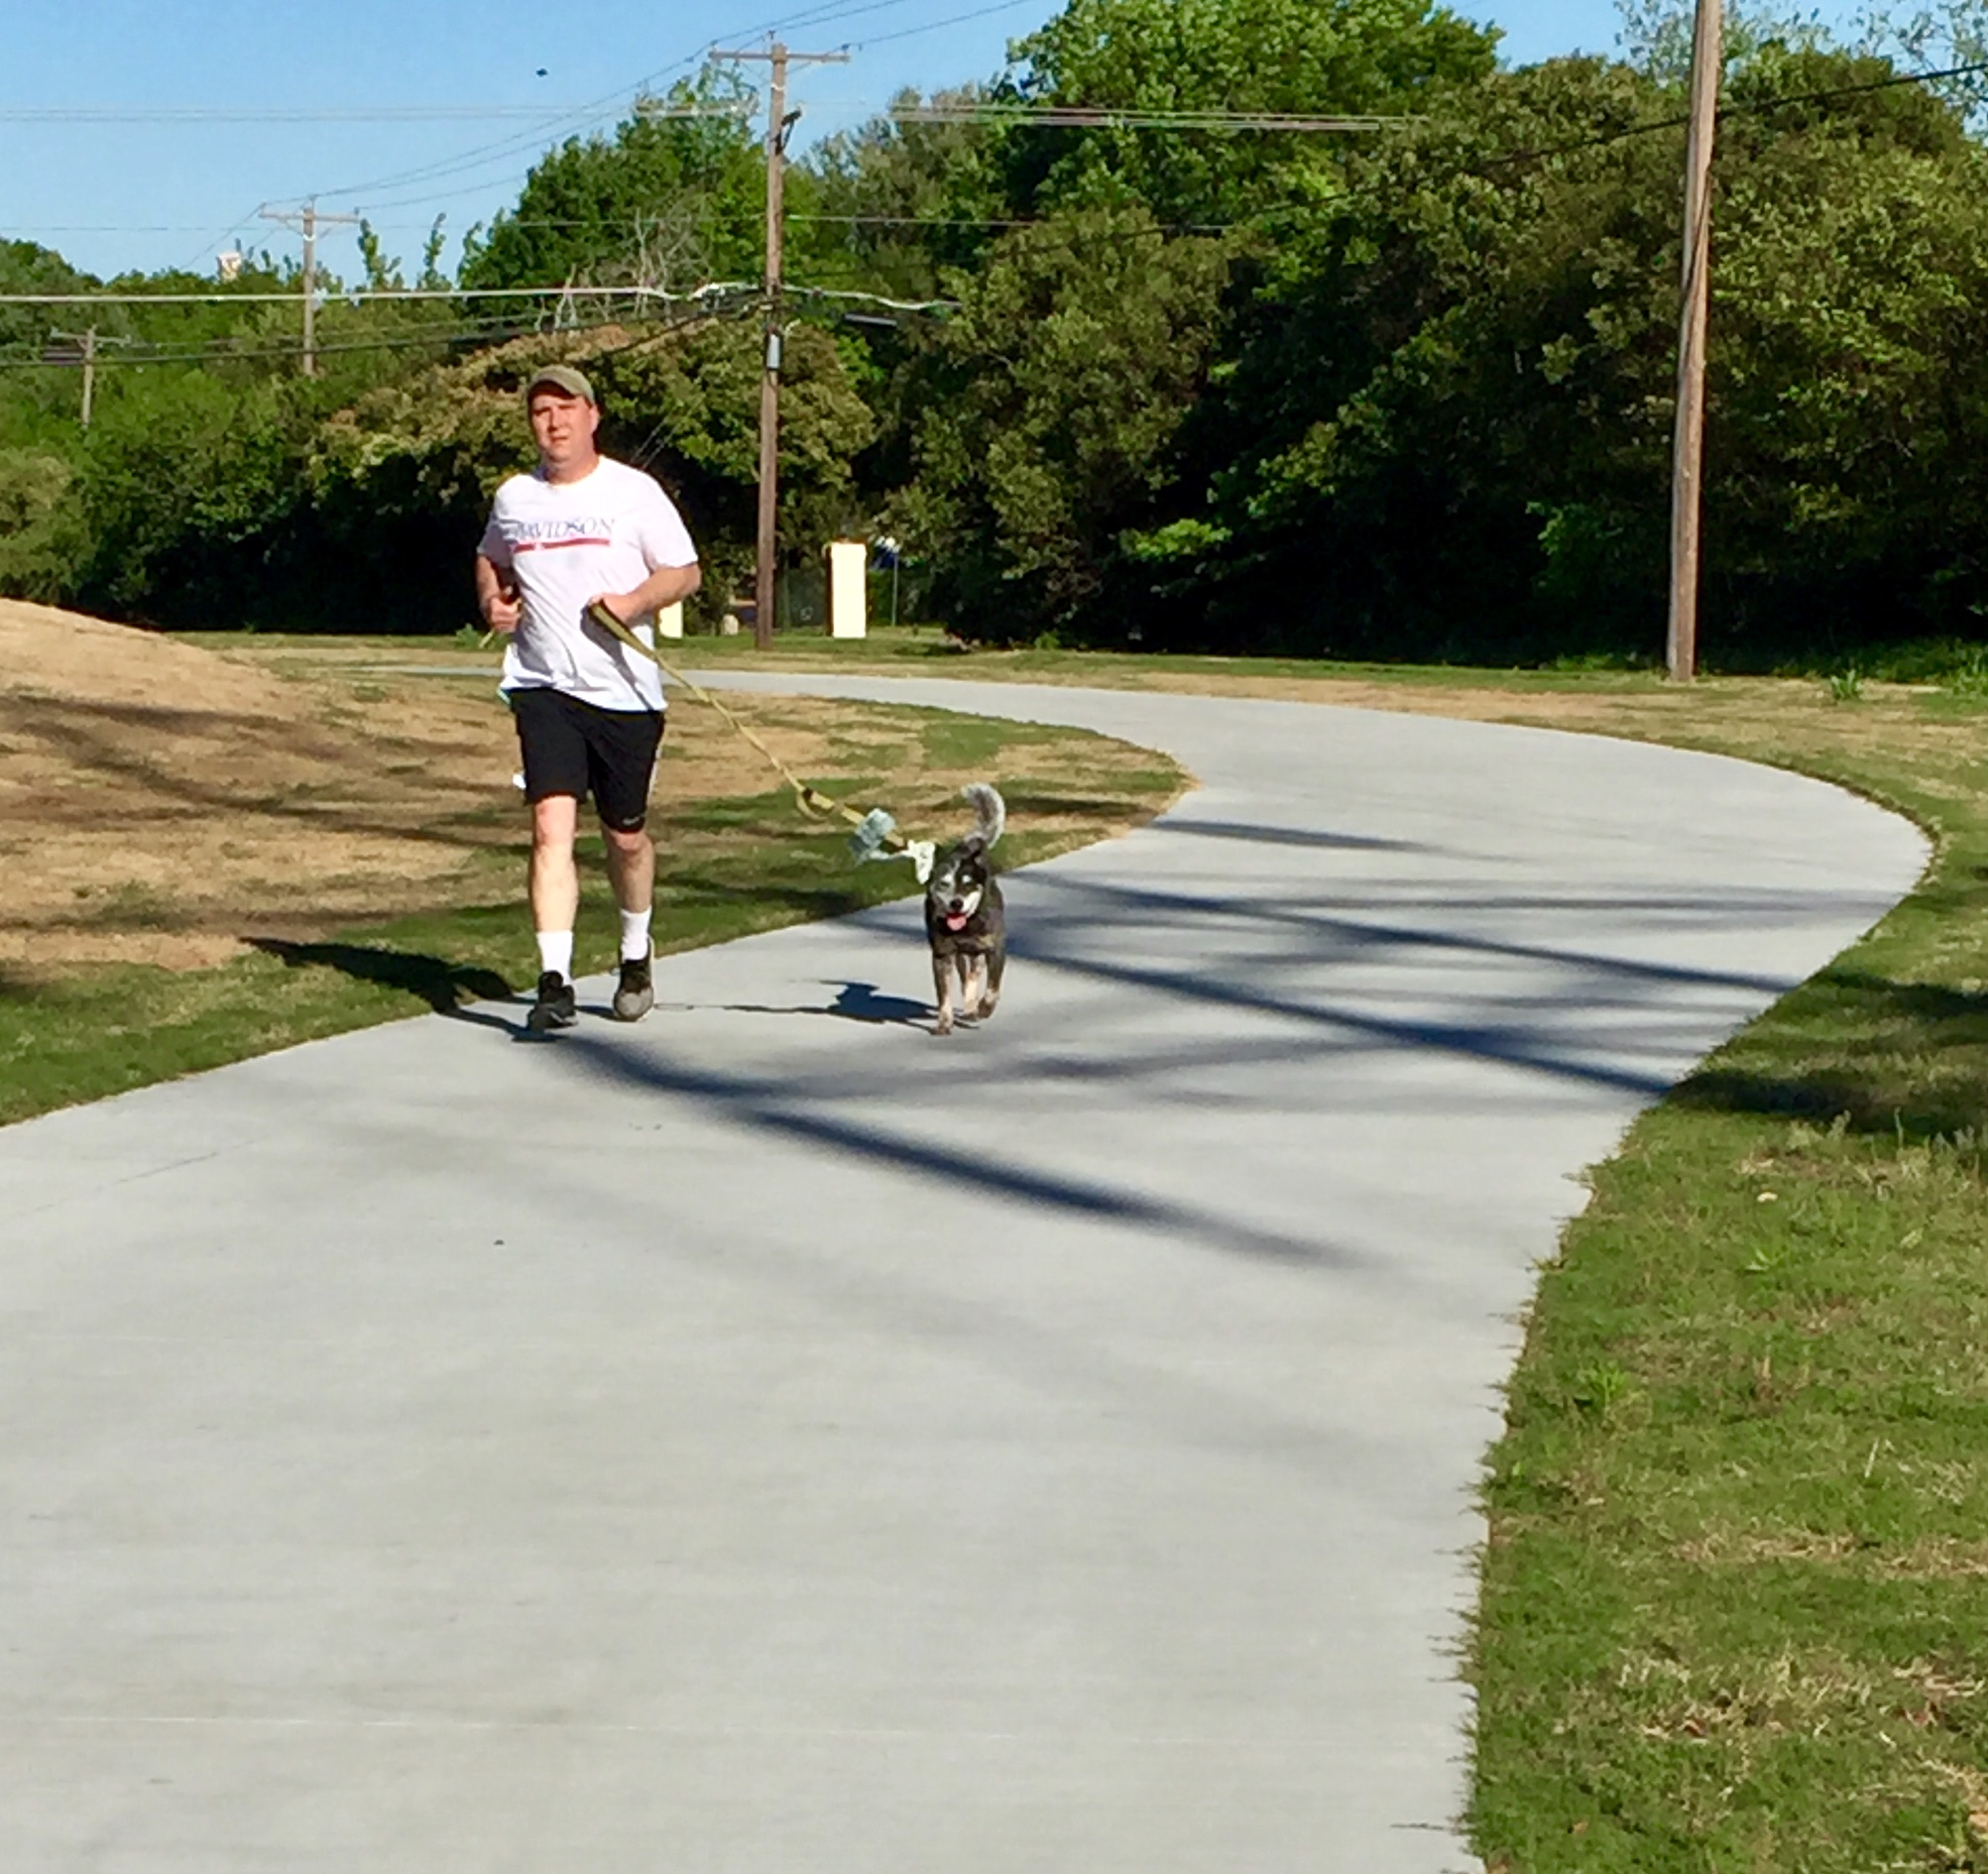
474,182
225,351
604,106
229,351
356,295
1087,117
275,114
502,147
824,16
933,25
876,299
234,227
1761,108
110,227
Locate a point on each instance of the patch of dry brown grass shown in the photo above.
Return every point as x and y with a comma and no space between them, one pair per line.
160,800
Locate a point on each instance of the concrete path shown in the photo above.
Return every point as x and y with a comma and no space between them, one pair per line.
773,1441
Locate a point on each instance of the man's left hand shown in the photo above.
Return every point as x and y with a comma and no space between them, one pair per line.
621,604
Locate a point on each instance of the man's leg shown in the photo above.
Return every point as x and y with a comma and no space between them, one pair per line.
632,872
552,742
554,891
630,866
621,752
556,879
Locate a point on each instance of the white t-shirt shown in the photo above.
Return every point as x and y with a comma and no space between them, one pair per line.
565,542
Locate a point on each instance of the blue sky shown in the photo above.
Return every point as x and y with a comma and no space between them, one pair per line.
135,194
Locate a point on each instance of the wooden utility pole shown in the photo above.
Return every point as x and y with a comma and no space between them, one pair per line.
85,355
780,120
306,222
1687,438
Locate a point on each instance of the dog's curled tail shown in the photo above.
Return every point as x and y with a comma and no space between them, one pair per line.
989,811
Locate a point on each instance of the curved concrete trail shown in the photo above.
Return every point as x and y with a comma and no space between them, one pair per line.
771,1441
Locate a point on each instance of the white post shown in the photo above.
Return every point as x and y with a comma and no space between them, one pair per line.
848,563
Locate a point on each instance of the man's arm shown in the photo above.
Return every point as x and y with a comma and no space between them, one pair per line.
495,597
666,586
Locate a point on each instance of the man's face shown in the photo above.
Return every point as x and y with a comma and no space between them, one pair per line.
563,427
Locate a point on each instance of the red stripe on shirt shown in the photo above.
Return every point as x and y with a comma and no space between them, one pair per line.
546,546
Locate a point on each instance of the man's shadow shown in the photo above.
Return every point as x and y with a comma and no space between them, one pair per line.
463,991
479,997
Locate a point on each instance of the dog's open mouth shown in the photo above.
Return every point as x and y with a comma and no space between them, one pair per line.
956,920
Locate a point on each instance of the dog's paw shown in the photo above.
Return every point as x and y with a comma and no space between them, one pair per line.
944,1025
985,1009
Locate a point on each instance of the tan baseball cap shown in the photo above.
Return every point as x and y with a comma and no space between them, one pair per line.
563,379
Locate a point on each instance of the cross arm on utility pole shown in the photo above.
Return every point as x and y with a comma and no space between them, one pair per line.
307,221
780,121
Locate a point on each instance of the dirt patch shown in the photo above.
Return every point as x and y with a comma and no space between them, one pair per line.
163,802
160,802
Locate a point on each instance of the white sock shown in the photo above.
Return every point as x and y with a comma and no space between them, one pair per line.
635,935
555,953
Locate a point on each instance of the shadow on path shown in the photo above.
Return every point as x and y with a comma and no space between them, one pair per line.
771,1107
854,1001
1286,835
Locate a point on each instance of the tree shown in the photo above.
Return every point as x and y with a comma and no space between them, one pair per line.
687,406
1344,58
1052,401
1447,429
668,201
903,202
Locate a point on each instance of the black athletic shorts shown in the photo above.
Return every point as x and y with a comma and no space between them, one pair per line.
574,747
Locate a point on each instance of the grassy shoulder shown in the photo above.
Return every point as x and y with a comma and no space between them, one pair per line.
734,856
1735,1597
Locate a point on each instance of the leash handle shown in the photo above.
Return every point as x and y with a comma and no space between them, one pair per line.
810,799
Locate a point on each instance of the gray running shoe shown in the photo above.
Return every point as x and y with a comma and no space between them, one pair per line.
555,1007
635,995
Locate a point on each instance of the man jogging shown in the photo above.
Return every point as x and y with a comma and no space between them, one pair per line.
579,529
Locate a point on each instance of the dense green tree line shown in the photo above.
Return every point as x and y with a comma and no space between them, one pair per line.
1401,393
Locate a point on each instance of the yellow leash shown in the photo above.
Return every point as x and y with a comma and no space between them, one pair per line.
874,828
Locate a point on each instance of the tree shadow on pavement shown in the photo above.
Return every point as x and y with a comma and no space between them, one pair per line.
1286,835
1907,1060
770,1105
1619,1024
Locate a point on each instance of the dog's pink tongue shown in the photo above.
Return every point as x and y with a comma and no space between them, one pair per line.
956,921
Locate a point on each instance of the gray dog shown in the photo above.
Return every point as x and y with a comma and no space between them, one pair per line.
963,918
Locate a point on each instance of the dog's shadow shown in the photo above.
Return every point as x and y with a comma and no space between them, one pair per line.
864,1001
854,1001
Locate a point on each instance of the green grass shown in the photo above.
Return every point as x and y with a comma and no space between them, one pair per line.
1735,1599
726,867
